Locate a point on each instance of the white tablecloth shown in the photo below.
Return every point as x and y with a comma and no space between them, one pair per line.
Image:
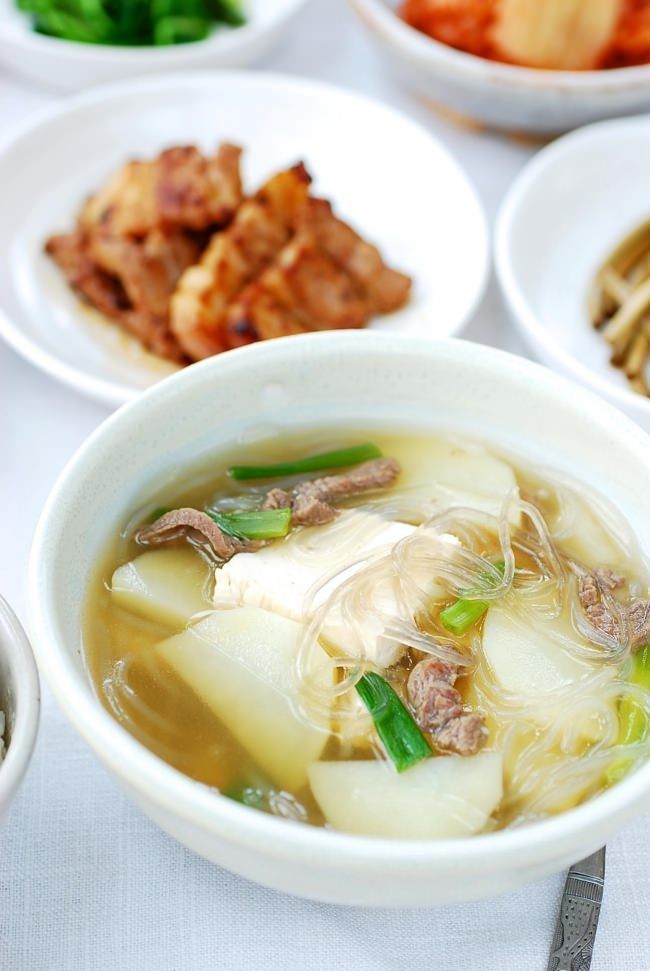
86,882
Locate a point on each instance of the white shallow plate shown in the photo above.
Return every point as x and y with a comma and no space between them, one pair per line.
71,66
567,210
384,173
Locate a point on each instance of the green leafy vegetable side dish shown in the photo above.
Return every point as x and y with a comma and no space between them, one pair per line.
131,23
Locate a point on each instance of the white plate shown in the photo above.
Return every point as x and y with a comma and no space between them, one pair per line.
566,211
384,173
71,66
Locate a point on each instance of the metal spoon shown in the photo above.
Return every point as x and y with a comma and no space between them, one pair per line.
575,932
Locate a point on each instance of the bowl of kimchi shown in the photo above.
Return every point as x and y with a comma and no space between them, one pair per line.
519,65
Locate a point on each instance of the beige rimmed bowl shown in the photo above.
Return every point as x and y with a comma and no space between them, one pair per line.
501,95
358,379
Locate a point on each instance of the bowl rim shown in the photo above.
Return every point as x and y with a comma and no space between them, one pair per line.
26,690
523,187
225,42
197,804
421,48
116,392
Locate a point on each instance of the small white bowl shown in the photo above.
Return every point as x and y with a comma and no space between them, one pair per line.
565,212
502,95
20,702
430,225
70,66
356,380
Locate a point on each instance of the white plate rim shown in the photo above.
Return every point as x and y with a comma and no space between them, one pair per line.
515,296
116,393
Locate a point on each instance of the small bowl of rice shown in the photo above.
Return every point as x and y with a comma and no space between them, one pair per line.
19,704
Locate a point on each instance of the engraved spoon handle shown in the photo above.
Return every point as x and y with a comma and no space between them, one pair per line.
575,932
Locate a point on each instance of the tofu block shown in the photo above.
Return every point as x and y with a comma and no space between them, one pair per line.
280,577
440,797
241,663
168,585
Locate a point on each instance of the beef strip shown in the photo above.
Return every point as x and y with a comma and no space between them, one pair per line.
639,618
465,735
310,501
608,579
590,593
439,710
192,524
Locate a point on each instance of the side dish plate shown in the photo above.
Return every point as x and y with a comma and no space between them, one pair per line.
387,176
565,213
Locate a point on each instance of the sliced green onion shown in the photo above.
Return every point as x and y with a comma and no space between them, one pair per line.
463,614
254,523
633,720
404,742
247,795
313,463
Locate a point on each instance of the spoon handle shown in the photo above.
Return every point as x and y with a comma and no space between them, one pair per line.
575,932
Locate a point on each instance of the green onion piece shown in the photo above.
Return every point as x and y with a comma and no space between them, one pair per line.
463,614
313,463
402,739
254,523
633,720
247,795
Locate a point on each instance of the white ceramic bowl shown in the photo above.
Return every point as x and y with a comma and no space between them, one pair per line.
502,95
432,226
565,212
71,66
356,379
19,700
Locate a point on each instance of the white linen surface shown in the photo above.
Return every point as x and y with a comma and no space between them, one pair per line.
86,882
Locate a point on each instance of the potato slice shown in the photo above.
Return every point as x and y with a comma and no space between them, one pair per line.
467,475
446,796
241,663
583,536
168,586
531,664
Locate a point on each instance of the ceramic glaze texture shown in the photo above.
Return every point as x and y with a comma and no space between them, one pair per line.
569,208
502,95
356,379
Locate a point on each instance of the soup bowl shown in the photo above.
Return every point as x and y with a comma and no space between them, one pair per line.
358,380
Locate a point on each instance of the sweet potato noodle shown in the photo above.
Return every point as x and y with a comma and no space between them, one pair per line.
456,642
